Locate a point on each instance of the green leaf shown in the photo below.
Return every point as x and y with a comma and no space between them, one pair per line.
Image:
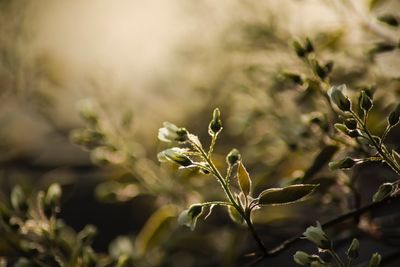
383,191
156,229
176,155
338,98
53,195
244,179
365,102
381,47
394,116
345,163
396,156
18,199
352,252
375,260
302,258
390,20
189,217
286,195
235,215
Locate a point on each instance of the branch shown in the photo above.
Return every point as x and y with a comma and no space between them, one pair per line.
354,213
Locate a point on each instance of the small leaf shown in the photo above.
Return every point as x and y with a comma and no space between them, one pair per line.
243,179
295,78
390,20
53,195
338,98
156,229
396,156
352,252
286,195
365,102
375,260
345,163
189,217
317,235
235,215
394,116
176,155
341,128
381,47
302,258
383,191
18,199
298,48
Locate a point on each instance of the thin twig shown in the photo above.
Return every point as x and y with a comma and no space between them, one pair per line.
354,213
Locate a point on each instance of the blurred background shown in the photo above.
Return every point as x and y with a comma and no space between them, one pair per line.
85,85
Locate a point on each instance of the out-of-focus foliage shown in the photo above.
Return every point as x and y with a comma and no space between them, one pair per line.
104,76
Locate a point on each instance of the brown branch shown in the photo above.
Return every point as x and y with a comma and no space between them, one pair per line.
354,213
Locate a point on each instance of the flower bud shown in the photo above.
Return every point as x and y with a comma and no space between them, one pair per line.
394,116
18,199
176,155
215,125
170,133
300,51
351,124
365,101
339,99
189,217
302,258
316,235
233,157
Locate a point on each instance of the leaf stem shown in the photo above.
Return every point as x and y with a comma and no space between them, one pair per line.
238,207
378,147
336,257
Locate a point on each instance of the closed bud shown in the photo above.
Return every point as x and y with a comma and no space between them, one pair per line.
171,133
309,47
316,235
319,70
353,133
394,116
365,101
390,20
351,124
87,234
189,217
339,99
302,258
296,78
345,163
215,125
375,260
298,48
352,252
18,199
384,191
53,196
89,257
176,155
233,157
